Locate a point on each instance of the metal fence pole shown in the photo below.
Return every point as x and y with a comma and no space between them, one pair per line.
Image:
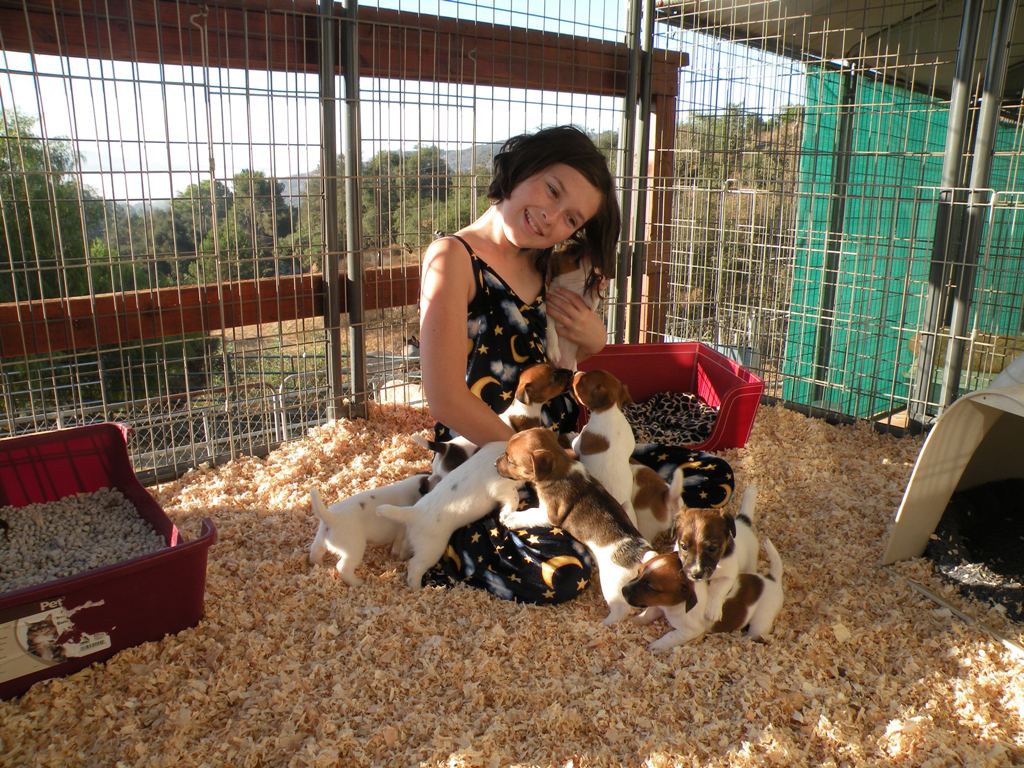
353,210
842,158
980,195
642,164
627,139
329,181
949,217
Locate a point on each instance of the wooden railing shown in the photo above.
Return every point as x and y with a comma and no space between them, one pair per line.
87,322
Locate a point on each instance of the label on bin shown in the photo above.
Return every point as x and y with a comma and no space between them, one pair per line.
37,636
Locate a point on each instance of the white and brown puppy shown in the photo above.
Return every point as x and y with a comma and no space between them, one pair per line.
656,503
347,526
572,501
606,442
717,548
462,496
569,268
664,589
537,386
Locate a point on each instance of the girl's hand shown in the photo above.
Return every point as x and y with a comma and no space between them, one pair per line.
577,322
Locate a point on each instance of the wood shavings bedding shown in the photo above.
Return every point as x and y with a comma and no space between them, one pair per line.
292,668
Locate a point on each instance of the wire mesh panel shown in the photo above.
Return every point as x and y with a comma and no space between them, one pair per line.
994,335
177,180
173,217
165,200
835,129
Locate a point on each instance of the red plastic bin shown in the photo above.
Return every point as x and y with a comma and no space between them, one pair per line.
101,611
688,366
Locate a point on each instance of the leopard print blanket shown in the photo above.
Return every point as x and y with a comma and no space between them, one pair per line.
671,418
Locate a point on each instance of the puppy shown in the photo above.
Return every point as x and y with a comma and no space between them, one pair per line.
568,268
347,526
537,386
664,589
606,442
572,501
655,502
464,495
448,454
716,548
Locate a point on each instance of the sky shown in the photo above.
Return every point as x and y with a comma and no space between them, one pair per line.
146,131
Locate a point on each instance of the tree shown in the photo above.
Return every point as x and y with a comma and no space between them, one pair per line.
108,272
43,214
248,237
396,187
194,207
306,239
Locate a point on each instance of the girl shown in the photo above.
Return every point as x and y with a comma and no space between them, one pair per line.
484,310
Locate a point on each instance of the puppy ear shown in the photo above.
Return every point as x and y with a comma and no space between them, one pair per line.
730,522
543,463
624,397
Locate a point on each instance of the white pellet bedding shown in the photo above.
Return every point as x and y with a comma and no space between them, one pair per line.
45,542
292,668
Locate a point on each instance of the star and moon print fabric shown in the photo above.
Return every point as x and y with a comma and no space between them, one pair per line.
542,565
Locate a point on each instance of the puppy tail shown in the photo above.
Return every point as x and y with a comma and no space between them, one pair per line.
748,505
317,505
399,514
675,490
774,561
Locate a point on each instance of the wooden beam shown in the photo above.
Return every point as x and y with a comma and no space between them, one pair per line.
117,319
256,37
444,49
283,36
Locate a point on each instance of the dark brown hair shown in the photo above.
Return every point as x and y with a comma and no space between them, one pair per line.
530,153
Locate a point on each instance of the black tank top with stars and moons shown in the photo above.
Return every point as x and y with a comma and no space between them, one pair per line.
505,335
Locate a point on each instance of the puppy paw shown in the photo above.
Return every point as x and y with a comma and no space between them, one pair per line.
351,579
617,614
646,616
523,518
672,639
662,644
414,578
713,613
317,550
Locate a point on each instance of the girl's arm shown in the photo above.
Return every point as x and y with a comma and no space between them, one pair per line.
446,287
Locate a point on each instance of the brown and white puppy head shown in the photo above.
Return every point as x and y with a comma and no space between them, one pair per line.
542,383
663,582
704,536
600,390
534,455
565,259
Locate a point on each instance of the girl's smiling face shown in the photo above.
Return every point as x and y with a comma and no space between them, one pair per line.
548,207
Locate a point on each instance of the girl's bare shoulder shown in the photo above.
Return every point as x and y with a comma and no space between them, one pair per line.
446,266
